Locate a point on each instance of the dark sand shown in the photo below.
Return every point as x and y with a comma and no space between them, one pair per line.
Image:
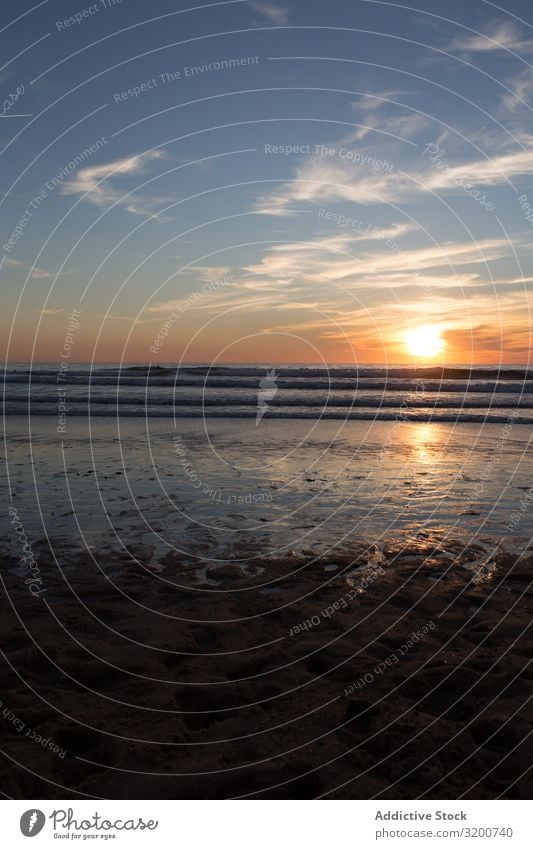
220,709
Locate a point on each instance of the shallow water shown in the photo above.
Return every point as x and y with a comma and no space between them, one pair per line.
220,489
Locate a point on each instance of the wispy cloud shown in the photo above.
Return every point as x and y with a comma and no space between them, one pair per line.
339,289
337,258
97,183
493,171
522,90
34,272
371,101
291,275
382,331
273,13
406,125
501,35
327,181
206,273
371,107
323,180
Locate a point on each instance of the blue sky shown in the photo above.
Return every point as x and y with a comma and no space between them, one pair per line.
318,179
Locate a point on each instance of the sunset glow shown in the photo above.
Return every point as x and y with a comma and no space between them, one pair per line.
425,342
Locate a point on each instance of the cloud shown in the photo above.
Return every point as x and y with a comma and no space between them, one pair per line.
35,272
502,35
407,125
371,101
522,89
339,258
370,106
370,328
320,179
232,291
339,288
331,179
206,273
292,275
493,171
276,14
95,182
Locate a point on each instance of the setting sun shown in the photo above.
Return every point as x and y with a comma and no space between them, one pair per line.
424,341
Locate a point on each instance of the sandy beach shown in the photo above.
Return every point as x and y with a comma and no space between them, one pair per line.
394,673
298,609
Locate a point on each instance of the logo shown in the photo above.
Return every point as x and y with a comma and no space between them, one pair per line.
32,822
267,390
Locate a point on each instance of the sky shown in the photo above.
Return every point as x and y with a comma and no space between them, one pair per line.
248,181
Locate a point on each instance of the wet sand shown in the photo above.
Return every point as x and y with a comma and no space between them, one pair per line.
403,673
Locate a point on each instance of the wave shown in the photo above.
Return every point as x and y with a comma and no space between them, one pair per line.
348,372
457,416
392,385
376,402
341,392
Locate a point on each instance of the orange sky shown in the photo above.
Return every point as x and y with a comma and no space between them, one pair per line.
244,338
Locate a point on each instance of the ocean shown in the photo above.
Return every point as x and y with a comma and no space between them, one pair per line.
451,394
235,463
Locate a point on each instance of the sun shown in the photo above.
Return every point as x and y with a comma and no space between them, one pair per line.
424,341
